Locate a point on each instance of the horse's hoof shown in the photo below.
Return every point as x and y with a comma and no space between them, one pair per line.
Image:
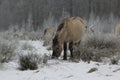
53,57
64,58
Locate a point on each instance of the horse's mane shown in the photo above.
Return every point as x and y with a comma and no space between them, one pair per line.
55,40
60,26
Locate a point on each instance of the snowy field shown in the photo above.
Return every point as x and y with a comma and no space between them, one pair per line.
59,69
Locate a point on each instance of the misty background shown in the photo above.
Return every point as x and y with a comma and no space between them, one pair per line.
37,14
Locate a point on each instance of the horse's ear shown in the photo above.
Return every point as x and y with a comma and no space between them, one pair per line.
60,26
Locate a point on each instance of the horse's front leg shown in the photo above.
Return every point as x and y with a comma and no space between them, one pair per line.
71,49
65,51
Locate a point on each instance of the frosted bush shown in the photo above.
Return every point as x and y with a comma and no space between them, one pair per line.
34,36
32,60
96,46
101,41
7,50
27,46
29,61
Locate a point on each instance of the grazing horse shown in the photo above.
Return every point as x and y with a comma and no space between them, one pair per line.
117,30
48,36
71,30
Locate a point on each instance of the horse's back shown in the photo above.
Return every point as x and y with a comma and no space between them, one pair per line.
76,29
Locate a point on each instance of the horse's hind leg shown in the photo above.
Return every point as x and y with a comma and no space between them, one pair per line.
71,49
65,51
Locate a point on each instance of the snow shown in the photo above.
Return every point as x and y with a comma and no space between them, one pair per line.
59,69
38,46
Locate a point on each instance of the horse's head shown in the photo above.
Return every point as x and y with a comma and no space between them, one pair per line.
57,45
57,48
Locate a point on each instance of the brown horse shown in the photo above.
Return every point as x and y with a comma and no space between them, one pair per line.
117,30
71,30
49,34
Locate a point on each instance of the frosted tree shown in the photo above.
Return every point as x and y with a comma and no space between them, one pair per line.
35,12
22,29
29,24
65,14
13,28
91,21
49,22
111,22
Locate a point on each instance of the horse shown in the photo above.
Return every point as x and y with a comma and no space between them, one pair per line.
117,30
49,34
71,30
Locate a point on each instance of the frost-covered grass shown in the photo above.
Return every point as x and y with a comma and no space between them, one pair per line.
96,46
8,35
27,35
7,50
101,41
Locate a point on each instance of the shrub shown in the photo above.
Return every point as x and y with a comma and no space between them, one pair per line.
46,58
85,54
7,49
115,59
33,36
101,41
29,61
27,46
96,46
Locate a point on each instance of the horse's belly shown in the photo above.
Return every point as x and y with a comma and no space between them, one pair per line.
73,39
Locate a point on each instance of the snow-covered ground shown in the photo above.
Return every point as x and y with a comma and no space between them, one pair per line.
59,69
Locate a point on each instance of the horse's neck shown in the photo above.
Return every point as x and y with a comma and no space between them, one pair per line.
62,39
